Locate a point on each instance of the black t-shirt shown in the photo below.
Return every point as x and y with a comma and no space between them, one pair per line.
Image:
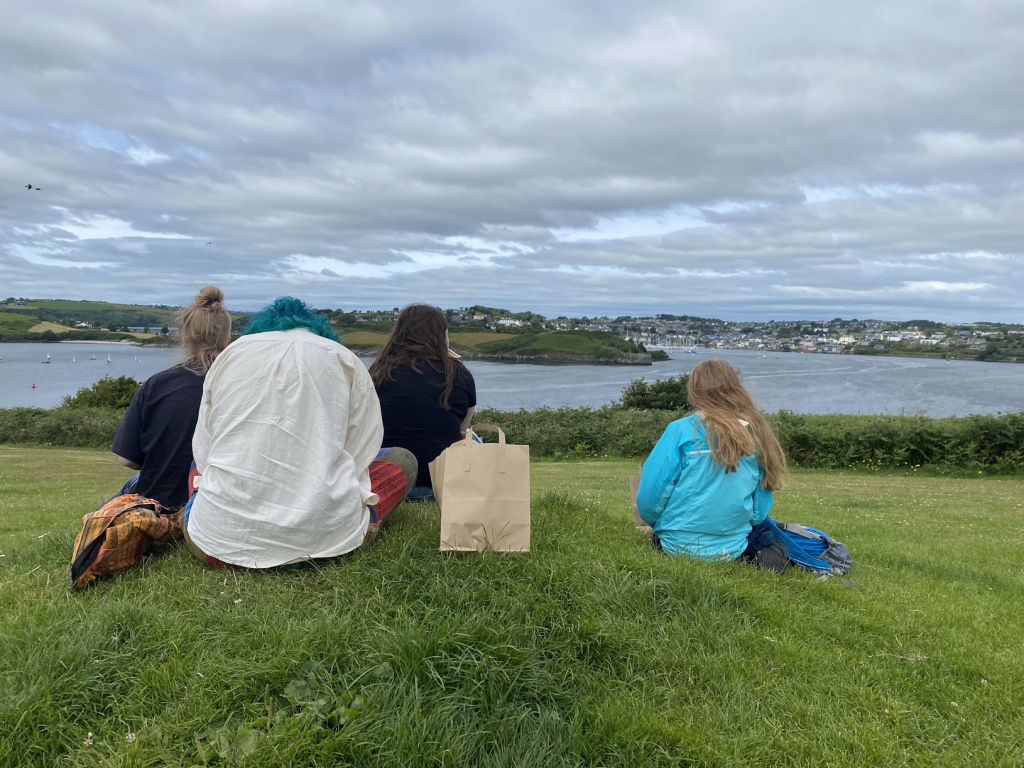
413,417
157,433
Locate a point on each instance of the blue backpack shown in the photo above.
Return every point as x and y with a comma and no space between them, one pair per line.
811,549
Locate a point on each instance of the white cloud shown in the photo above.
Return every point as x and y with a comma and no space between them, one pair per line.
146,155
633,225
100,227
48,259
937,286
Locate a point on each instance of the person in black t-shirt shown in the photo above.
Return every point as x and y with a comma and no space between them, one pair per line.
427,396
155,436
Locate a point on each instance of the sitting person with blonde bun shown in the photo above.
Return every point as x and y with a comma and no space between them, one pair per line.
155,436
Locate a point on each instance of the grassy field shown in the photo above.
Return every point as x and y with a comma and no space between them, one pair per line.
375,338
11,321
26,323
591,650
47,325
363,338
476,338
597,344
93,312
69,307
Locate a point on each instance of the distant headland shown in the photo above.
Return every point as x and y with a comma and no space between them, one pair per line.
488,333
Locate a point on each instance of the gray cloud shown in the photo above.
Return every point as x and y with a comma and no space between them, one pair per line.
727,158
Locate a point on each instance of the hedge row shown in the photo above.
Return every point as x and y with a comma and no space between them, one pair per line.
76,428
988,443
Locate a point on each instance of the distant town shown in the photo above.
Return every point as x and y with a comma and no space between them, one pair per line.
25,319
980,340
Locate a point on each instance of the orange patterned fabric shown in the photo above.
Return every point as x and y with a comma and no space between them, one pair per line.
118,534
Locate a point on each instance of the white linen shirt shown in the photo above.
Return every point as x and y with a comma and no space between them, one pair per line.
287,429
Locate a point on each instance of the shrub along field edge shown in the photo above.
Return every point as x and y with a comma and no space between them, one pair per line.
991,444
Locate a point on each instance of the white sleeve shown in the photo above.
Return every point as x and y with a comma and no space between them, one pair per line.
201,437
365,428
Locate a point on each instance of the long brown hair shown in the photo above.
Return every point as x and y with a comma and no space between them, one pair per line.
205,329
715,390
418,338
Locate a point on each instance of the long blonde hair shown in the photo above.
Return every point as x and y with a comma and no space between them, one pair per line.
205,329
716,392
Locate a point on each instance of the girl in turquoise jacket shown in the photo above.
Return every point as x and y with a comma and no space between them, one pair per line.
707,486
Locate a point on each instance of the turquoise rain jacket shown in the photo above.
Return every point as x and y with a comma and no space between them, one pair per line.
693,506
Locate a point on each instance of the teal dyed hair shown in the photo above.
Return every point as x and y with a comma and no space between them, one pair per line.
287,313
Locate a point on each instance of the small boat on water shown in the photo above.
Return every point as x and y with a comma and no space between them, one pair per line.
108,359
46,361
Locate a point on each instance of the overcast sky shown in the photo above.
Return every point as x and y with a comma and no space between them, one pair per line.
737,159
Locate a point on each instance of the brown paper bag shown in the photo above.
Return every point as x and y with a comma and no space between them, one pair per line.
483,490
634,491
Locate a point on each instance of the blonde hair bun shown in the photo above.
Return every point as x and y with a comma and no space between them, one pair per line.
205,329
209,297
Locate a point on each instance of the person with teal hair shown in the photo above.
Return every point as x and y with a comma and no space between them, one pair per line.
286,314
286,448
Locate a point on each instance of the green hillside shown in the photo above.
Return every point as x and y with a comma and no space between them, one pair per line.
57,320
93,312
9,321
370,336
592,345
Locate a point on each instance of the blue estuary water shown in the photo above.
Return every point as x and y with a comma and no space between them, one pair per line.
805,383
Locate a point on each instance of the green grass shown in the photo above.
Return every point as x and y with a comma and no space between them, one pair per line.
591,650
591,344
74,307
476,338
359,338
97,312
47,325
11,321
364,338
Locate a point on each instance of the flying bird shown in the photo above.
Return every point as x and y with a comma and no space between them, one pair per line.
210,243
28,186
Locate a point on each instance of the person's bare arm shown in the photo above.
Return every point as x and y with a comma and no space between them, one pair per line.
129,464
466,421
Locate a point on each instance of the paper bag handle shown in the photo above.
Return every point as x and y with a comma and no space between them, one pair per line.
489,428
502,461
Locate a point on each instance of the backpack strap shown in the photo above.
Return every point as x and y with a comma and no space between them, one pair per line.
792,543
